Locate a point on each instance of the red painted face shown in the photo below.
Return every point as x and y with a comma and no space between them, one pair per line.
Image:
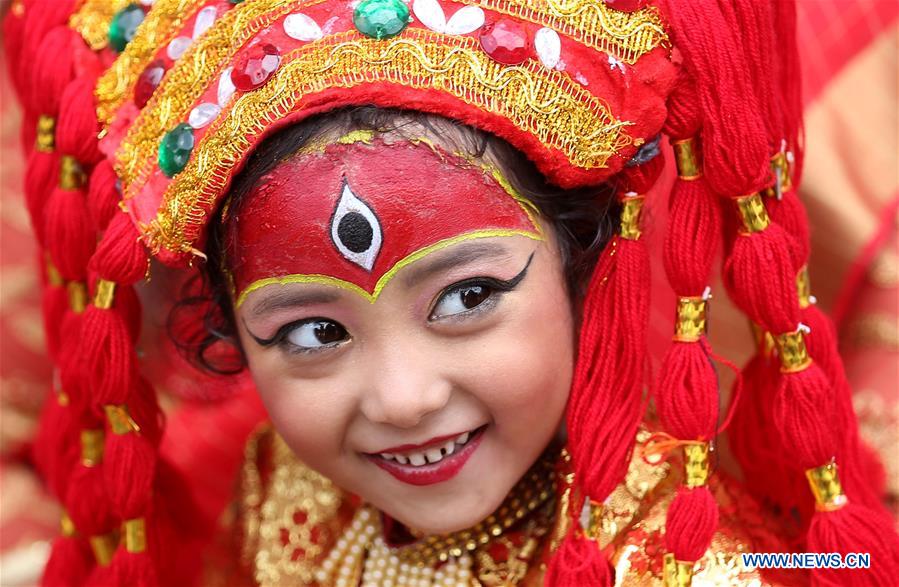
352,215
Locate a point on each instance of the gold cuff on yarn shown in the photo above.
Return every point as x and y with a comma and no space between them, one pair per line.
696,464
825,484
594,526
77,296
630,217
677,573
752,213
764,341
690,324
793,352
45,141
783,181
105,294
71,174
66,525
91,447
803,288
120,420
687,159
54,279
135,532
104,547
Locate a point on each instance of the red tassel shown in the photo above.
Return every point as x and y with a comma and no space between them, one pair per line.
70,563
134,569
69,233
108,356
52,68
103,195
54,303
129,469
87,502
687,395
76,125
56,445
579,562
41,177
803,415
692,521
120,257
852,529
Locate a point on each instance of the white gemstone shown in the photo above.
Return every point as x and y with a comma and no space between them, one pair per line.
466,20
203,114
204,20
302,28
430,13
548,46
226,87
177,47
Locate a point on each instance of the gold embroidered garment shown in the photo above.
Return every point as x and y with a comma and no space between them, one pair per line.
290,518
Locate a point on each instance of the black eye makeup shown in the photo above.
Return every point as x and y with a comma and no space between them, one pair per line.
477,294
307,335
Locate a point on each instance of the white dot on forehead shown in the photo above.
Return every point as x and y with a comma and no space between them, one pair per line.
355,229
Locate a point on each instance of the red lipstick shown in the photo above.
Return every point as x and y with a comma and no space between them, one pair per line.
432,473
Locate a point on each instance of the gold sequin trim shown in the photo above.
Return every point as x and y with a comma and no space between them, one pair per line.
696,464
627,36
92,21
753,213
793,352
547,104
200,65
630,217
164,21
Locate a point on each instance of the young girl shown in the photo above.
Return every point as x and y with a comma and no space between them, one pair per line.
419,230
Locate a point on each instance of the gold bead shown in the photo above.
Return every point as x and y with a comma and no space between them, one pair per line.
752,213
687,160
825,484
630,217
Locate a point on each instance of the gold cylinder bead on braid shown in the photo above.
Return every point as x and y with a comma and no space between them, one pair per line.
91,447
66,525
825,484
104,547
71,173
691,323
687,159
630,216
677,573
752,213
105,294
135,533
120,421
54,279
77,291
803,288
793,352
45,141
783,181
696,464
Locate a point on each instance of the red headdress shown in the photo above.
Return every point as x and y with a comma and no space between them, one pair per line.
181,92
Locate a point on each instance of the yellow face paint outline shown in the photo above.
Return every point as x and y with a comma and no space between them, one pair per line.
389,275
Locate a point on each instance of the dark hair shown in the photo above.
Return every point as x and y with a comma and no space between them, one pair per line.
583,219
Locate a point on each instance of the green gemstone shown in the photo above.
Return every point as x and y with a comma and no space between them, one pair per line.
175,148
123,26
380,19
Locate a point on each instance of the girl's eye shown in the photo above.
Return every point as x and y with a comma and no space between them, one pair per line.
316,334
461,299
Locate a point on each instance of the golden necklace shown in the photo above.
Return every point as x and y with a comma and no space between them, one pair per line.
361,555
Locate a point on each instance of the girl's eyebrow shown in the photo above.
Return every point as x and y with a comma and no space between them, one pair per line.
292,299
458,255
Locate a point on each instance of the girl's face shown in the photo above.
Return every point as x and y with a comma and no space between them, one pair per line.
407,325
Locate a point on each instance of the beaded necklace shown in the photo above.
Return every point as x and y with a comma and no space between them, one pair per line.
361,555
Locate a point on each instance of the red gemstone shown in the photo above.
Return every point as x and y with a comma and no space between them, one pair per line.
626,5
255,66
506,41
148,82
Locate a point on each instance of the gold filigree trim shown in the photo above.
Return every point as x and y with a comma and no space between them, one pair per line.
92,21
195,71
547,104
627,36
161,25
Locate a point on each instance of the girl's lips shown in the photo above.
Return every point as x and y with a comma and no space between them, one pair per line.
438,472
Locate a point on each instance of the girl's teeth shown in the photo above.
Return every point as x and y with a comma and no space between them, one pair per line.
450,447
401,459
430,456
462,438
417,459
387,456
434,455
